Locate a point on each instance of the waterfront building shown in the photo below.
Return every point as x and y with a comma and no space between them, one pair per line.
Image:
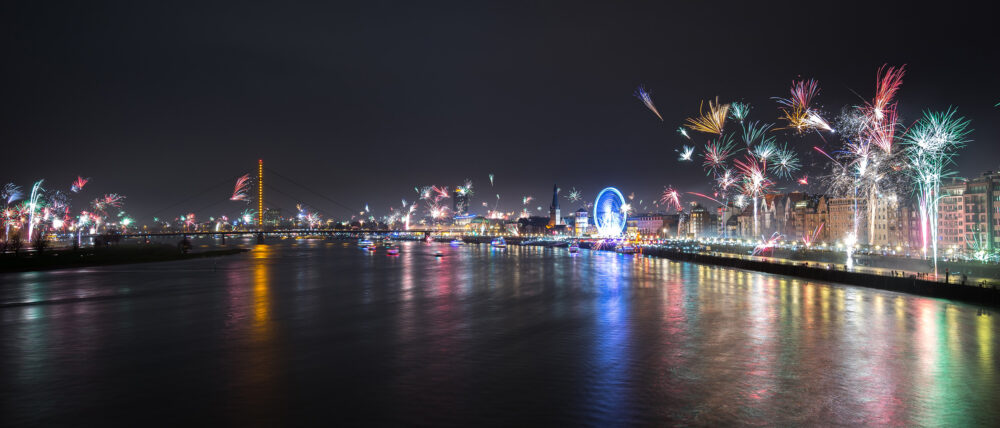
951,214
700,221
982,220
580,222
842,217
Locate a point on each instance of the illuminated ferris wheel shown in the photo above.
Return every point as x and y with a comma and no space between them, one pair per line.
609,215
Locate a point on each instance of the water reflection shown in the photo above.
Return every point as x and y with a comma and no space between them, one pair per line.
302,328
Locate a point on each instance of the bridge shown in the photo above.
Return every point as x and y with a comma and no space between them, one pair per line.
297,232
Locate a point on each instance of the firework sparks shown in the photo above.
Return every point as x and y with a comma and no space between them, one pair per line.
685,154
574,195
644,95
706,197
725,180
757,133
797,111
712,121
78,184
241,191
739,111
683,132
931,145
10,192
785,162
717,152
804,180
881,113
671,198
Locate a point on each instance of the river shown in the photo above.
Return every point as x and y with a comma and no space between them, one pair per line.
321,332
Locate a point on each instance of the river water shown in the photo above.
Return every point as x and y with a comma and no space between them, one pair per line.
319,331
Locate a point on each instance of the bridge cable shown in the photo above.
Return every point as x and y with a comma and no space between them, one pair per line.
311,190
187,199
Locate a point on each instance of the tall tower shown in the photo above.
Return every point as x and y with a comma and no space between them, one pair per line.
260,194
554,219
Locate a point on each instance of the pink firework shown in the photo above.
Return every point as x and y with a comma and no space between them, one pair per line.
113,200
440,193
888,81
706,197
809,239
671,198
754,178
78,184
803,92
804,180
881,114
241,191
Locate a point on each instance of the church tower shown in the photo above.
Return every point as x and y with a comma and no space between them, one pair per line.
554,219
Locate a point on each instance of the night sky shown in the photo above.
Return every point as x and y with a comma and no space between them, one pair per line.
363,101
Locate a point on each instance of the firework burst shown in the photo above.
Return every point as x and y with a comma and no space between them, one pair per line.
671,198
78,184
241,190
797,111
712,121
686,153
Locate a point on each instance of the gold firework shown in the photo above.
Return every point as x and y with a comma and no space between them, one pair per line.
711,121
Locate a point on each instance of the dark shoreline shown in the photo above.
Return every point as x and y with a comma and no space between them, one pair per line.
66,259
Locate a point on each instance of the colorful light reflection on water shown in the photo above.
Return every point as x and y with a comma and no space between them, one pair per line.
297,330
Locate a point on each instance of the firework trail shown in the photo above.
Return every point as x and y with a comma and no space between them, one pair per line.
646,98
686,153
671,198
78,184
683,132
33,205
241,190
491,180
809,239
526,199
711,122
707,197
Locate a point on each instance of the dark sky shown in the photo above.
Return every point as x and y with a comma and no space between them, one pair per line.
362,101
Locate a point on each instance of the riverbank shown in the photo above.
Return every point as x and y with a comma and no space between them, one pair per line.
965,293
86,257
